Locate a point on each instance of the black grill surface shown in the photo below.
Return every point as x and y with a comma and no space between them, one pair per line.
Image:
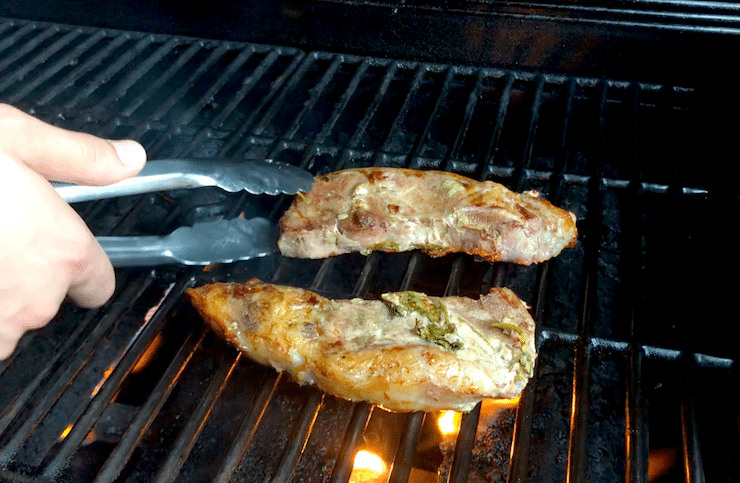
637,375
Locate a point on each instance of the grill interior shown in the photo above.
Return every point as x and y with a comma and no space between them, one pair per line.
635,381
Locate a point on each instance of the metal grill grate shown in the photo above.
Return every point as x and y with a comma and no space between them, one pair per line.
624,383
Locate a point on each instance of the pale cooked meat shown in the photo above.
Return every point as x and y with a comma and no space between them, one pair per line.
397,209
408,352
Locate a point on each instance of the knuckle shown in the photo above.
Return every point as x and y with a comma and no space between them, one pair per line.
40,315
92,152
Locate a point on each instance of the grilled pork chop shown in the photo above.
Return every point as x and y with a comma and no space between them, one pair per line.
397,209
406,352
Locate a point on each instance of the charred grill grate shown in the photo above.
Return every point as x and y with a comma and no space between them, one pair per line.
140,391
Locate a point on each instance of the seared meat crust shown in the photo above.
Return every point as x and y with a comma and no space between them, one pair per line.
397,209
408,352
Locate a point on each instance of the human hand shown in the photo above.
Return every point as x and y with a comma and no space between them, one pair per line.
47,252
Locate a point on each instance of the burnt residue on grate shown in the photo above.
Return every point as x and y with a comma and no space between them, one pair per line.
634,381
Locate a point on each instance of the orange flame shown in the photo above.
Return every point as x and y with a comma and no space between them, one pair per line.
368,468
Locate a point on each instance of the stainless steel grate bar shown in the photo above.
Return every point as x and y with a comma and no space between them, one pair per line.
113,69
28,47
412,158
518,177
453,153
382,90
339,107
278,90
247,430
491,151
122,368
53,392
136,430
69,58
188,84
308,105
189,434
692,461
80,70
419,74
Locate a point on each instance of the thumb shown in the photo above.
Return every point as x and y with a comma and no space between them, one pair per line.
61,155
86,159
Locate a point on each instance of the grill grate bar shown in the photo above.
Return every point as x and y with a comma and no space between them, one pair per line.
692,461
316,93
75,74
4,26
173,69
339,108
521,438
248,428
558,180
416,83
183,150
579,412
464,446
149,410
322,272
518,177
369,269
247,85
404,459
29,86
370,112
503,105
412,158
215,86
100,109
27,48
40,58
453,152
12,40
189,434
234,100
635,436
22,400
278,90
53,393
353,437
123,367
299,437
188,83
582,349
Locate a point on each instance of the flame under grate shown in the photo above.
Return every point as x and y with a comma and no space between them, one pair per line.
626,387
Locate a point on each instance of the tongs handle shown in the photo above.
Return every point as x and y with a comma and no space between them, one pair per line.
161,175
136,251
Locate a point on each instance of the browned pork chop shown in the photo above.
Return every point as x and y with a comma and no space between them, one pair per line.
397,209
408,352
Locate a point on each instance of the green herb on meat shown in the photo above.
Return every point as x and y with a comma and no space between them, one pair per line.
388,245
526,362
515,328
433,325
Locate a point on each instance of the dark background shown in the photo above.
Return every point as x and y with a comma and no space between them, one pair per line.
675,42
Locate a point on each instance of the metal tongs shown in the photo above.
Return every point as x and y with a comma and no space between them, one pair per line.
219,241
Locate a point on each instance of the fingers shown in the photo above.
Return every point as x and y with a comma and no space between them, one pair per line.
47,253
61,155
94,282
